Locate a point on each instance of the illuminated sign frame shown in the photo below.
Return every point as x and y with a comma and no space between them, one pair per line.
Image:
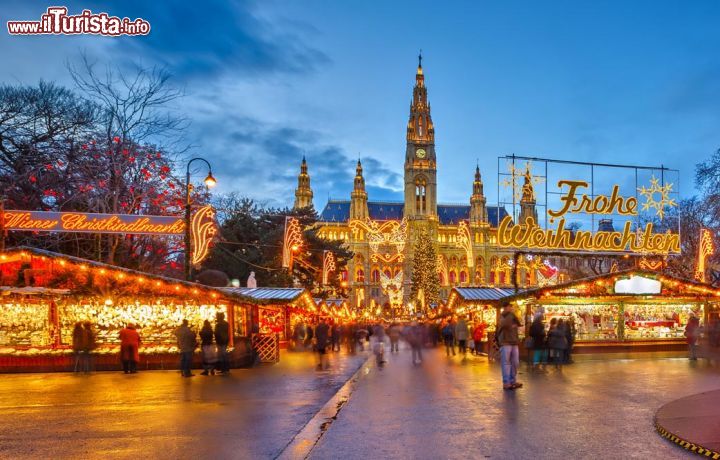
550,231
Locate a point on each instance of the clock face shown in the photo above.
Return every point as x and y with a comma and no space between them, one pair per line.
420,153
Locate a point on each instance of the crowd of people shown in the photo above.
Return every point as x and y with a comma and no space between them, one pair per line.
325,335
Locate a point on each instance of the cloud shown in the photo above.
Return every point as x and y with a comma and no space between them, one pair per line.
262,160
213,37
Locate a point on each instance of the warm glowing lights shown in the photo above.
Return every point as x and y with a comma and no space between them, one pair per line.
533,236
464,241
706,249
292,240
203,229
387,240
328,266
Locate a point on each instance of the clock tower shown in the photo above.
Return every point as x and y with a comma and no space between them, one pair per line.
420,161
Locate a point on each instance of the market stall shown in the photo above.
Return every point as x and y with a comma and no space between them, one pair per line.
635,310
44,294
276,311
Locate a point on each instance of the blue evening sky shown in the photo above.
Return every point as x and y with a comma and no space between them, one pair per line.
614,81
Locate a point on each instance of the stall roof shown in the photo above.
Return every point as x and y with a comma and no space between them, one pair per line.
484,293
266,293
687,286
504,295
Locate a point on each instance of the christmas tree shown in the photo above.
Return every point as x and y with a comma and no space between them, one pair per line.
425,280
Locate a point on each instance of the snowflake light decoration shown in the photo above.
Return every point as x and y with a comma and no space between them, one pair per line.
649,193
515,181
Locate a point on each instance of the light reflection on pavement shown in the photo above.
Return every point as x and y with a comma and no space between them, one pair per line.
253,413
458,410
442,409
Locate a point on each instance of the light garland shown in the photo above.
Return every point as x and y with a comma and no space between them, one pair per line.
328,265
203,229
390,235
464,241
706,249
292,241
393,288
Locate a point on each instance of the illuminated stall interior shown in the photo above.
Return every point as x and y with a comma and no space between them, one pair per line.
630,307
44,294
635,307
478,304
277,310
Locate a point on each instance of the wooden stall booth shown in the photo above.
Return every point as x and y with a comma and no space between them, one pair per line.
274,314
634,310
45,294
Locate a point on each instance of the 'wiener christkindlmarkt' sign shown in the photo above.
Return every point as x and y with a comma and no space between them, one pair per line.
574,199
46,221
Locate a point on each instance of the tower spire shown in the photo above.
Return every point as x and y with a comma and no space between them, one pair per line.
478,207
303,192
358,197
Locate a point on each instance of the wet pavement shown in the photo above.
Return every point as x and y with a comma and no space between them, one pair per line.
445,408
252,413
458,410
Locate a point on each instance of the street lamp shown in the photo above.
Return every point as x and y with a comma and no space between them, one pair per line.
210,182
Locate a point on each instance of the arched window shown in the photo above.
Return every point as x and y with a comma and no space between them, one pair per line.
453,277
463,277
344,275
387,273
420,195
360,275
441,278
375,275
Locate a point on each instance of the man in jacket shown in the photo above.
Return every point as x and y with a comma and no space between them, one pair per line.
507,337
186,343
222,339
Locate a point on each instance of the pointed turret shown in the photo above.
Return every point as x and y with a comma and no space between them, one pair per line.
527,202
358,197
303,192
420,126
478,208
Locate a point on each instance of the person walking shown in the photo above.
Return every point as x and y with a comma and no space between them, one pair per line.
78,346
537,333
207,348
556,341
322,336
130,348
570,337
336,336
414,338
222,339
461,335
448,335
508,339
186,342
692,332
394,338
479,337
89,344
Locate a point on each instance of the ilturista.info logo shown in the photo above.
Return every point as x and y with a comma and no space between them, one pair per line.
56,21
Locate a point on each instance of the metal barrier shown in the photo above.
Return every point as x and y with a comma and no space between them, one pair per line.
267,348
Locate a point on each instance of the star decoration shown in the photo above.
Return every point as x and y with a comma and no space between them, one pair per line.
650,193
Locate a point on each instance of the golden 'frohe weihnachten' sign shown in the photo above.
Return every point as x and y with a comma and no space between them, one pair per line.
46,221
530,235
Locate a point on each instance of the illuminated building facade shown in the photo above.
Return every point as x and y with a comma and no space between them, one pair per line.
465,235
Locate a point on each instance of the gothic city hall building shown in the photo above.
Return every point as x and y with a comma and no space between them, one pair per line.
382,234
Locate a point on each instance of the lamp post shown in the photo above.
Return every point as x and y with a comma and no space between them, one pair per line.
209,182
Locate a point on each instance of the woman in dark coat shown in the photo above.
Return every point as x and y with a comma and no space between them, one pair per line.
557,342
209,353
537,332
